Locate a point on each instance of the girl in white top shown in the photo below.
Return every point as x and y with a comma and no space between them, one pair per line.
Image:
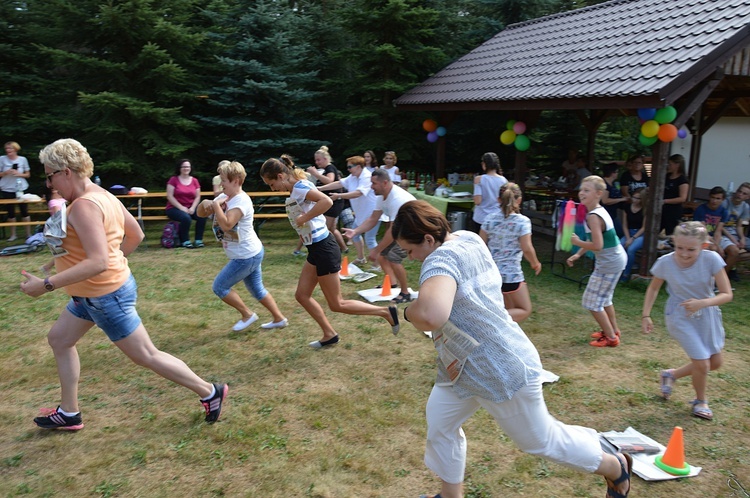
508,236
487,189
371,160
692,313
458,299
233,225
390,159
323,254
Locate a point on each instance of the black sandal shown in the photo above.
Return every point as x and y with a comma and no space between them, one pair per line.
624,476
403,297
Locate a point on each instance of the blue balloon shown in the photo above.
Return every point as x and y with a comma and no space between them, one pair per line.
432,137
441,131
682,133
647,113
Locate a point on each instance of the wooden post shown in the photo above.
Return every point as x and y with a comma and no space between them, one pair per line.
654,207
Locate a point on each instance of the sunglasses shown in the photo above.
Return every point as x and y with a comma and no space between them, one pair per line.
49,177
350,166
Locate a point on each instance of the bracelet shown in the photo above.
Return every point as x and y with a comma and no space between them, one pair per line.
646,316
405,318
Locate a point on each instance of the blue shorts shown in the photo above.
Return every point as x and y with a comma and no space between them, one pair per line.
114,313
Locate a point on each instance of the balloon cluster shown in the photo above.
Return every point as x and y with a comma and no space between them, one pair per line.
433,130
656,124
514,134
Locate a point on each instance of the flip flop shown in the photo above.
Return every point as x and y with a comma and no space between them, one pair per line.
624,476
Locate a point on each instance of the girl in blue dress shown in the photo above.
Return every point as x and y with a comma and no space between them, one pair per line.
692,313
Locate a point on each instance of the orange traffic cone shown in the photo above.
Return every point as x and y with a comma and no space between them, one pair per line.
386,290
344,267
673,460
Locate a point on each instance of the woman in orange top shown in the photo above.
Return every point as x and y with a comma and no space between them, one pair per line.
92,267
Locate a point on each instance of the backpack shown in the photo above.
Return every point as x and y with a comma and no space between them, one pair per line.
170,237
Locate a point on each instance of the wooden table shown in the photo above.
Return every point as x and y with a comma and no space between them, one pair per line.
444,204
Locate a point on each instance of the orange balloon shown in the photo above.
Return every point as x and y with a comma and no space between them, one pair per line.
667,132
429,125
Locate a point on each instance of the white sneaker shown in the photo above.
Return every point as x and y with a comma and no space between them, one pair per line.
275,325
12,238
243,324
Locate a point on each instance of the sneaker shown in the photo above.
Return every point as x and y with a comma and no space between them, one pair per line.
243,324
12,238
597,335
213,405
198,244
51,418
359,261
275,325
297,253
606,342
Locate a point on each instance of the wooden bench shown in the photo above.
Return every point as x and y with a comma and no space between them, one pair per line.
264,210
260,217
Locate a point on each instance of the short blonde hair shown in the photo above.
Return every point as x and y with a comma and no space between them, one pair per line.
15,146
67,153
232,170
694,229
597,181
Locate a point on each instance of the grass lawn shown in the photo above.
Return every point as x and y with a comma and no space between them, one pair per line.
342,422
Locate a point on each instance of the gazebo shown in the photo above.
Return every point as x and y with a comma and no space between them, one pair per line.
609,59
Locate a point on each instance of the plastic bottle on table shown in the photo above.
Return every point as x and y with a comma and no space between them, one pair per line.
19,188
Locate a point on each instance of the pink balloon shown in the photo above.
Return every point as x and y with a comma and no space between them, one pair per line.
519,127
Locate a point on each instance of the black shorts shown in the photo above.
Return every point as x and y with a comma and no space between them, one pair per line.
336,209
325,256
511,287
12,207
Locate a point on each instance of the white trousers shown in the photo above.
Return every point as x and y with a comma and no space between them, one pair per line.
524,418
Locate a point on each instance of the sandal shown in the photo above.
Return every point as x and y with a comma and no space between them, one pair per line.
667,381
393,286
624,476
403,297
701,412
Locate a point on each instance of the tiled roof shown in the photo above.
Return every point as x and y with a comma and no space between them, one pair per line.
623,49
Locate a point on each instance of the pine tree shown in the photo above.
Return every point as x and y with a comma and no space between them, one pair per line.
263,97
125,75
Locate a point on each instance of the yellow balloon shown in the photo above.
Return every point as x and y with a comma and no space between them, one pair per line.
509,136
650,128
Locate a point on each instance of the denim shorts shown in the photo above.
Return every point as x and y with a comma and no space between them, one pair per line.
114,313
248,270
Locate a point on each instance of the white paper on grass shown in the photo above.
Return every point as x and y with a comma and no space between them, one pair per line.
643,465
372,295
353,270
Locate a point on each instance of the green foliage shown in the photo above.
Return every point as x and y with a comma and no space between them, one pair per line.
141,83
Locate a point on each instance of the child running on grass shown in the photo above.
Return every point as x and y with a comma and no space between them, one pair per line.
508,236
323,254
232,212
610,261
692,313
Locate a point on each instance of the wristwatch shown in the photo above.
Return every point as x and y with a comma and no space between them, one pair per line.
48,285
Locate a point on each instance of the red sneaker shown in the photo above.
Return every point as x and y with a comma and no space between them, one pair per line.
597,335
606,342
